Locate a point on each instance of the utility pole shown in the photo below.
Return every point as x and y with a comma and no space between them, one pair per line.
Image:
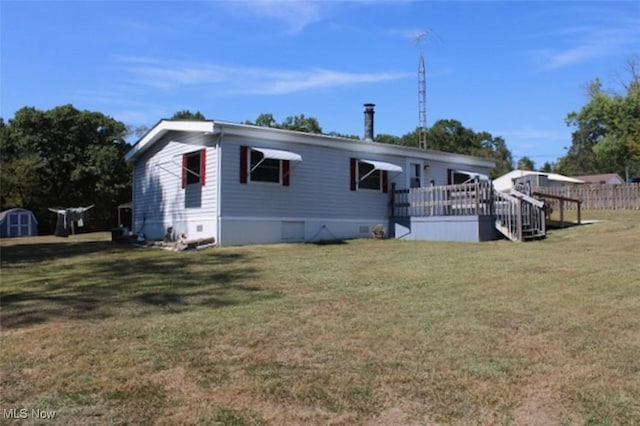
422,94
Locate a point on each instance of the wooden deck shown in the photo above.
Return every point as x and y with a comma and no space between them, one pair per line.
517,215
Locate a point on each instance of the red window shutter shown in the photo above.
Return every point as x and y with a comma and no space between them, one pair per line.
244,152
203,166
353,174
184,171
285,172
385,181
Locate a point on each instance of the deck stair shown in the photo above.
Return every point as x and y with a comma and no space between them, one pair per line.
519,216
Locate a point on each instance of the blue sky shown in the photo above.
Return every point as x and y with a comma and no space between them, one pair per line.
514,69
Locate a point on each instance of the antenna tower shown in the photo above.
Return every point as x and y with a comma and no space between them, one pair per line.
422,94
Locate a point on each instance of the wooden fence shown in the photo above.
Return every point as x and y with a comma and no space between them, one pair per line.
600,197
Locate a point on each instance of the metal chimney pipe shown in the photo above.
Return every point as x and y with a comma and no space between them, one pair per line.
368,122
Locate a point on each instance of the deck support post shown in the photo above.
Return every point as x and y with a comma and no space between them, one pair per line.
579,219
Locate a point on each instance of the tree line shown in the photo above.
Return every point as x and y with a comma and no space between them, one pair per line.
65,157
606,138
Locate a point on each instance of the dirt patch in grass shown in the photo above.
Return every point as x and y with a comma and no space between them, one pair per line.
539,406
177,381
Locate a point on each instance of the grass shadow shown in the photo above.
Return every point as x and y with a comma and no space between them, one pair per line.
335,242
39,252
63,281
556,224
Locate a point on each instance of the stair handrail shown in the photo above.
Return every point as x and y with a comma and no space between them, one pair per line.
508,212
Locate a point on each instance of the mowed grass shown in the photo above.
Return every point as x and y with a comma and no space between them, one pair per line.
363,332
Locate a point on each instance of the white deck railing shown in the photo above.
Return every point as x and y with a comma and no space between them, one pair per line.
469,199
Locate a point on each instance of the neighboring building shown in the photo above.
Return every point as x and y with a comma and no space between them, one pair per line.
538,179
245,184
607,178
18,223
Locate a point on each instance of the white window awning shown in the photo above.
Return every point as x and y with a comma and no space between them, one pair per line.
277,154
381,165
473,174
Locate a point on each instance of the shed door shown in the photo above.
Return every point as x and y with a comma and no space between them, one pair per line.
19,224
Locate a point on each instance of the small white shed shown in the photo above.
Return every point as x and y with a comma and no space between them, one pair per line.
505,182
18,222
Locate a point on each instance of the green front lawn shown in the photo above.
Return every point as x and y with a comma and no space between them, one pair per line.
367,331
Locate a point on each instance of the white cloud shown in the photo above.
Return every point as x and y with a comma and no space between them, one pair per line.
602,35
548,59
278,82
296,15
245,80
165,77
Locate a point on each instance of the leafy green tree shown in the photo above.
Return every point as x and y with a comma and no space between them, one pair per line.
451,136
386,138
607,131
548,167
526,163
64,157
301,123
495,148
265,120
185,114
298,123
444,135
19,182
137,132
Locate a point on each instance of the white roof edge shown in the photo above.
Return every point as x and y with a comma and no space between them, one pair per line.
504,182
357,145
165,126
551,176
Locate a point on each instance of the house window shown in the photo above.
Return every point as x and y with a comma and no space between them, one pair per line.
266,165
367,174
369,177
455,177
194,168
264,169
416,175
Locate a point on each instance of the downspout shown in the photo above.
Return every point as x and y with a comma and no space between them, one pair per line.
219,186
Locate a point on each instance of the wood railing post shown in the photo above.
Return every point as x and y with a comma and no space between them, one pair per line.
518,223
477,212
579,218
393,199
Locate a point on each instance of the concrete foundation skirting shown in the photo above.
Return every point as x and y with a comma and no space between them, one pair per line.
445,228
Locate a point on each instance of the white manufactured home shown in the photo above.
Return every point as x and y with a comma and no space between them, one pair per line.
244,184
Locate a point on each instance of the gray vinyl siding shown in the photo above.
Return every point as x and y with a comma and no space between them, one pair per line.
437,173
159,201
319,185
